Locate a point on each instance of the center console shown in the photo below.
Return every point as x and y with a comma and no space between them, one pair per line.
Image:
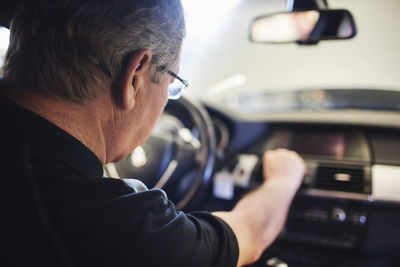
341,216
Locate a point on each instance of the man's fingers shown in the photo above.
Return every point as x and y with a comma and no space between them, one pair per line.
283,164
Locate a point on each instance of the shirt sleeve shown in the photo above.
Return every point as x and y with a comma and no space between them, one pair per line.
144,229
224,247
171,238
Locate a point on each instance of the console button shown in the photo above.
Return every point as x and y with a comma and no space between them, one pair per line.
338,215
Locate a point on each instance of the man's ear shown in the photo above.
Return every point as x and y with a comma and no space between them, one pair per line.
133,77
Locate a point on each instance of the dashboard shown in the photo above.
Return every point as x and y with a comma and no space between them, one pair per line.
347,211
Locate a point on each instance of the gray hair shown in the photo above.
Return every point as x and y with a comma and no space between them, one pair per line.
69,49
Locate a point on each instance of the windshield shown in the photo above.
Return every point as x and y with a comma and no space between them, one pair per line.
224,67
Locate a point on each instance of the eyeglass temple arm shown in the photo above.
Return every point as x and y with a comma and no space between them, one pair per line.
173,74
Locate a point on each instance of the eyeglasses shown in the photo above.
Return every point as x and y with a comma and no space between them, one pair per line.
175,89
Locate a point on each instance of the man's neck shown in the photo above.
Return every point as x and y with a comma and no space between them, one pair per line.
84,122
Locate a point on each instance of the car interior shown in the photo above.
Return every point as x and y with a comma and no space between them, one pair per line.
342,117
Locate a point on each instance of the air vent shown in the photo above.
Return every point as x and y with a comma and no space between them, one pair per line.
341,179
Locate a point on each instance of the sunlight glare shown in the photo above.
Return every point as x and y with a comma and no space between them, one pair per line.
4,38
203,18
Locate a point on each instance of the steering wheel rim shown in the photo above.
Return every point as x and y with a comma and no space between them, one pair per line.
174,151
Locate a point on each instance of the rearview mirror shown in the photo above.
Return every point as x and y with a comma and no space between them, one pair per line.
303,27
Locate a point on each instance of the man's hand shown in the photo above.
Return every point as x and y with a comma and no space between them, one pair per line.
284,165
258,218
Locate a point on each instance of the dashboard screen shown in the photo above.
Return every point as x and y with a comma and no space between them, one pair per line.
324,144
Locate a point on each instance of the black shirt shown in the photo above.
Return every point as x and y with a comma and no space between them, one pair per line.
58,210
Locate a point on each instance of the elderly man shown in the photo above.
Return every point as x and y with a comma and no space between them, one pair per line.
84,83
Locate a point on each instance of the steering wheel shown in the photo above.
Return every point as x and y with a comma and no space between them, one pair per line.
178,157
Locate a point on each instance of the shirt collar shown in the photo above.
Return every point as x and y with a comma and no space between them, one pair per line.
32,129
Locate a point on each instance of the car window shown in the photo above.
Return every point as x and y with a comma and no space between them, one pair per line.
4,40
